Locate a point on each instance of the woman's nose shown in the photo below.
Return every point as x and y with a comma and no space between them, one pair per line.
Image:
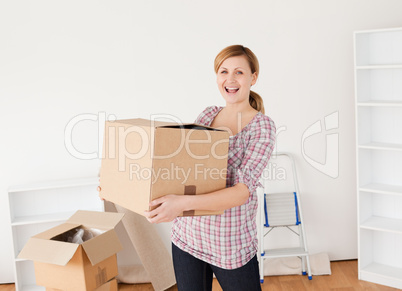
231,77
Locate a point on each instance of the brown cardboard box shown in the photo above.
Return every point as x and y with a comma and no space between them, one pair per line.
143,160
76,266
109,286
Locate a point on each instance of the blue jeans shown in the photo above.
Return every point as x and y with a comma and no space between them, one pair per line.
193,274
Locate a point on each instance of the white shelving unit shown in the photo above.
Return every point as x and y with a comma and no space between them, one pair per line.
378,91
37,207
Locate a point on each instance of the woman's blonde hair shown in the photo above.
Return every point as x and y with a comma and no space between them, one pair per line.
254,99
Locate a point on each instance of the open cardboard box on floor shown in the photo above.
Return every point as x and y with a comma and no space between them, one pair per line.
64,265
143,160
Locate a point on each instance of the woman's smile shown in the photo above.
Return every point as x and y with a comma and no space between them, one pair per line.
231,89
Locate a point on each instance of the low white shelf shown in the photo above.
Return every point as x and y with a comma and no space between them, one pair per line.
39,206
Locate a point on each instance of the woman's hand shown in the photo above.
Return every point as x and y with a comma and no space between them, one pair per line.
170,206
99,189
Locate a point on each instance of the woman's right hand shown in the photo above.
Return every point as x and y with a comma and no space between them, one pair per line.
99,189
168,207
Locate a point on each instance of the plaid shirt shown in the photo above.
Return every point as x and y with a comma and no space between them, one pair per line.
229,240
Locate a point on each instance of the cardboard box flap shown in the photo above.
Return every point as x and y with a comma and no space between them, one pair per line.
144,122
103,246
155,123
191,126
48,251
96,219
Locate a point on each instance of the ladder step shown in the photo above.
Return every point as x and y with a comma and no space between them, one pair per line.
288,252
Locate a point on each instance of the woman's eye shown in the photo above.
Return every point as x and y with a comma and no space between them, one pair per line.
223,72
239,73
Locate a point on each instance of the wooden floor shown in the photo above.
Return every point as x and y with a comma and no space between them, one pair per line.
344,277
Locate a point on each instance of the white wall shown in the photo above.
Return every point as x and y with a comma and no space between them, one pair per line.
60,59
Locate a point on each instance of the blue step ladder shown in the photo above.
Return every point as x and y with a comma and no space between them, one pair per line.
283,210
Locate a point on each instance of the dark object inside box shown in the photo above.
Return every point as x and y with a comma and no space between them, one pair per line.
77,235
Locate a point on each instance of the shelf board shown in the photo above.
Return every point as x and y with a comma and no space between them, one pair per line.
379,273
379,66
377,30
382,189
43,218
381,146
379,103
383,224
55,184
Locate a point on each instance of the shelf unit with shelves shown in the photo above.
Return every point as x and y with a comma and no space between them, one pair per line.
37,207
378,99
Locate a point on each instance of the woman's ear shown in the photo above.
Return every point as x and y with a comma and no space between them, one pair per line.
254,78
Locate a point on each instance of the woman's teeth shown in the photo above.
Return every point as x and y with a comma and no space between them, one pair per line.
231,90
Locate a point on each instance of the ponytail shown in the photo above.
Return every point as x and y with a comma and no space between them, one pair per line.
256,102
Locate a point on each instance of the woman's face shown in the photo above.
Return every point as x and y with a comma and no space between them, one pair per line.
234,80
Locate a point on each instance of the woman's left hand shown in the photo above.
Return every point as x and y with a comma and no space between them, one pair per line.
170,206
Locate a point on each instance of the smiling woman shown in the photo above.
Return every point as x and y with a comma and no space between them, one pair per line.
226,244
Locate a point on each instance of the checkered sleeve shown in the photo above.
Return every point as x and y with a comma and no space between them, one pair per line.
259,148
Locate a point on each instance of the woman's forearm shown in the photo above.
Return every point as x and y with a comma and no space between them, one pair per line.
218,200
170,206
